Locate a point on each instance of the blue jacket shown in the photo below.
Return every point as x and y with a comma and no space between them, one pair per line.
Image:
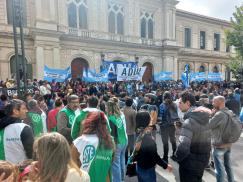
241,115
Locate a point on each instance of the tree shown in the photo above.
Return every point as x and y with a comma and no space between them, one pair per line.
235,38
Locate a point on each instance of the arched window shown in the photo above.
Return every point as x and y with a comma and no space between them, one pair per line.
150,29
78,14
116,18
143,28
147,25
29,71
112,21
10,12
82,17
72,15
202,68
120,24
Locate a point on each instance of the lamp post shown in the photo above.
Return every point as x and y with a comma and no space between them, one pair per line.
16,47
17,8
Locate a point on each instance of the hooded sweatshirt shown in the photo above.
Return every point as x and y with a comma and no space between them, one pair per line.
194,141
16,140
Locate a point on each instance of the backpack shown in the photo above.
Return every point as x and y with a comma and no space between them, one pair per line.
168,115
232,129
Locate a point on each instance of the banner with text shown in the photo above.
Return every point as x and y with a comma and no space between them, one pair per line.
111,67
215,77
198,76
58,75
130,73
162,76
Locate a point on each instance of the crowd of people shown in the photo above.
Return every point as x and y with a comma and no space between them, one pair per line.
76,131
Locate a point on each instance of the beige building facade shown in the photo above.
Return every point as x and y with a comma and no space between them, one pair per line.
81,33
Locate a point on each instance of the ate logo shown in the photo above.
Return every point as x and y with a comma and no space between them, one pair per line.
88,154
36,118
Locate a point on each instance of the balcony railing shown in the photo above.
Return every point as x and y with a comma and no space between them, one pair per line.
86,34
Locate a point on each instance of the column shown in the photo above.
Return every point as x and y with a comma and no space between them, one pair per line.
38,8
136,18
39,63
103,16
52,10
176,74
157,24
56,57
62,13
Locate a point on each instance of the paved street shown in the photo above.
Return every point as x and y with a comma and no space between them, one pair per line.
164,176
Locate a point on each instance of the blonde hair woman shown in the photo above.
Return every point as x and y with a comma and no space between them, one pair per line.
54,163
118,131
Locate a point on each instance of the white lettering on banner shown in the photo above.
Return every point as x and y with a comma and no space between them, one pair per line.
112,69
127,74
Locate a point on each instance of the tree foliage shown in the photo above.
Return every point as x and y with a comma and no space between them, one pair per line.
235,38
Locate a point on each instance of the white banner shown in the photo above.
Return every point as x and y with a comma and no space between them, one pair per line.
127,74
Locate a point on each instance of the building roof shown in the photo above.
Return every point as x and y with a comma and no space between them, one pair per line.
204,18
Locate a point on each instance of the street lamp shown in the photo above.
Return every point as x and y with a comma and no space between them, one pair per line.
17,11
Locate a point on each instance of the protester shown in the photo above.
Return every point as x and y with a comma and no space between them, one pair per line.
130,117
150,106
118,131
146,154
16,138
54,162
221,150
194,146
52,115
93,150
169,116
232,104
34,118
66,116
77,124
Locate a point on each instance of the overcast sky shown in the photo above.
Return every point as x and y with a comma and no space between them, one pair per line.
222,9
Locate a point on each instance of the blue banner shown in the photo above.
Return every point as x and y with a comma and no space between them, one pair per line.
111,68
198,76
92,76
57,75
161,76
215,77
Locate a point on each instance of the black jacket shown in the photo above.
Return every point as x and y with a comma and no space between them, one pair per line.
194,142
233,105
147,157
26,135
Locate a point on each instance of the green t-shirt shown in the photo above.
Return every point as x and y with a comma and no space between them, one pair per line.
120,124
37,124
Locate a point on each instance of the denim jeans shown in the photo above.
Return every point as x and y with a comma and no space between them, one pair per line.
222,163
130,146
146,175
118,164
166,134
